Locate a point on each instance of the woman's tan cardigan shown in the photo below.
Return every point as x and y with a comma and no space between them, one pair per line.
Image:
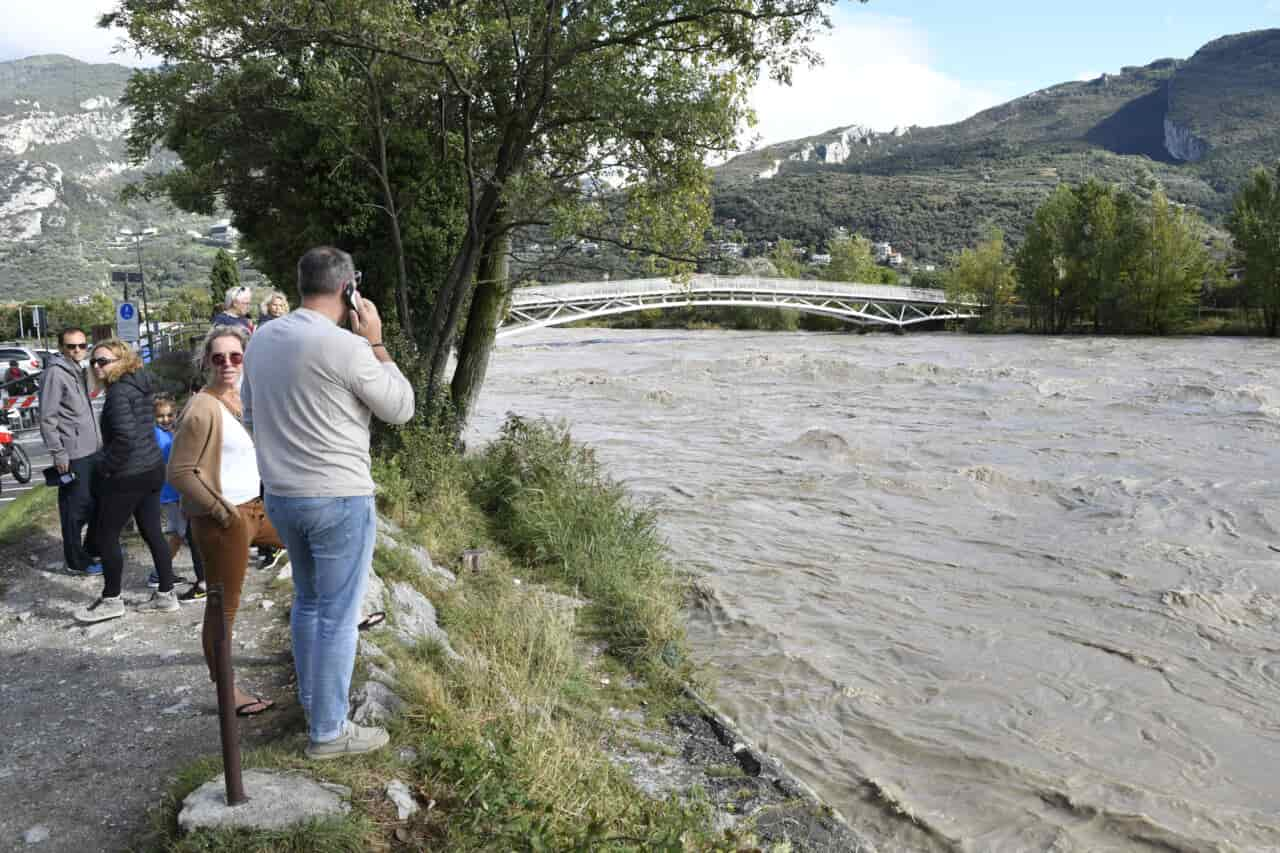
195,460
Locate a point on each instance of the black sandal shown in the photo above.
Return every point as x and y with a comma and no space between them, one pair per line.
373,620
266,704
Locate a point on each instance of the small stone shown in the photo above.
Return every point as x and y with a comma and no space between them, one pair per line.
25,616
369,650
98,629
180,708
382,676
36,834
399,794
53,566
375,703
33,559
267,604
516,581
407,754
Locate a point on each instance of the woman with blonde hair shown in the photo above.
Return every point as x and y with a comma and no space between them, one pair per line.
128,479
214,467
275,305
235,309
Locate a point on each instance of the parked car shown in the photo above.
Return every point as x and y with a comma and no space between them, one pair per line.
28,359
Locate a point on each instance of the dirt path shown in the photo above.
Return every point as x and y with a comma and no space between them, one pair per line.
95,720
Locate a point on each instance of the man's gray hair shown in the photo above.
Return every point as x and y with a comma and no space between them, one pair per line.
234,293
323,271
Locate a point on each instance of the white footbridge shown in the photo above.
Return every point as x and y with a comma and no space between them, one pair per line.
540,306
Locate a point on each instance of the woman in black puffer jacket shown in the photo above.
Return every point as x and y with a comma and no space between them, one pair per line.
128,479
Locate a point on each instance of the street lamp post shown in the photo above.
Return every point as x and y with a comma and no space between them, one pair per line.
142,285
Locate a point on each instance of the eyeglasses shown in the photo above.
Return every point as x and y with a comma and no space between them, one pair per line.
101,361
75,346
220,359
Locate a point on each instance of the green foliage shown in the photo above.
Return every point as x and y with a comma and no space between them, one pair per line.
224,275
188,305
984,275
785,259
852,260
1255,225
555,508
1099,255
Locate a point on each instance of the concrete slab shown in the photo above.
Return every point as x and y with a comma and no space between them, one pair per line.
276,799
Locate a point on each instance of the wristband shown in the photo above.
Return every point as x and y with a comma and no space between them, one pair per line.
379,344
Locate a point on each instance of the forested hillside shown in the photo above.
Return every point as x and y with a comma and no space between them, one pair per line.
1196,126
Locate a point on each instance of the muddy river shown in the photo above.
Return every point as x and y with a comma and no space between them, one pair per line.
982,593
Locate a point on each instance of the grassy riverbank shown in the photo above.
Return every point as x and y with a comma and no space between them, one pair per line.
574,619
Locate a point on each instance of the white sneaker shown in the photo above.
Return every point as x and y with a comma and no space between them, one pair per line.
354,740
160,602
101,610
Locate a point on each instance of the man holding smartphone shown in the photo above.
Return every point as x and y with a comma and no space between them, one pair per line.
70,432
309,392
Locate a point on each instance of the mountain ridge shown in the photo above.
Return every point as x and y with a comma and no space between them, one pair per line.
1196,126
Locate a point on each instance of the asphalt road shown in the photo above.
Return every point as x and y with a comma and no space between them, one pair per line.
11,489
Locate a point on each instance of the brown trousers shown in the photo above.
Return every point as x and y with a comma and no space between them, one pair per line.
225,552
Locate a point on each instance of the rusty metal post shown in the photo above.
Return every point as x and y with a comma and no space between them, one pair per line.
226,697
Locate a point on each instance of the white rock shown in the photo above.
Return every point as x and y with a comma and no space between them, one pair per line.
37,834
267,604
276,800
180,708
398,793
414,618
376,704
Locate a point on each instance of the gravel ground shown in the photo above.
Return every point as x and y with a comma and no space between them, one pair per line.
96,720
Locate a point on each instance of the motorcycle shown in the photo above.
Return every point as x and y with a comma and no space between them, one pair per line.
13,458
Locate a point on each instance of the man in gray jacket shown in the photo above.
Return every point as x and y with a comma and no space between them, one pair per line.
70,431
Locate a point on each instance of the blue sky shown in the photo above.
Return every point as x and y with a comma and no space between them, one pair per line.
888,62
1022,46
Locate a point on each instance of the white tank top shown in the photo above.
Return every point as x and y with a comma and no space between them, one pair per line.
239,472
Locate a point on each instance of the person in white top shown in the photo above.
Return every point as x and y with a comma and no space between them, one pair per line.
214,468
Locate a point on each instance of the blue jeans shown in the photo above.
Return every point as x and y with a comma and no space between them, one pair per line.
330,542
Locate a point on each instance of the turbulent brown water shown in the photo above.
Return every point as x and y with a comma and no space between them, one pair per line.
982,593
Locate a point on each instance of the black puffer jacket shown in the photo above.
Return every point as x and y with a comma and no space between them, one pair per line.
128,428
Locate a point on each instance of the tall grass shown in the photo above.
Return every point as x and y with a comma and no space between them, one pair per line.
555,508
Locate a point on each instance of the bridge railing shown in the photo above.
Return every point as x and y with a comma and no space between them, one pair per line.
580,291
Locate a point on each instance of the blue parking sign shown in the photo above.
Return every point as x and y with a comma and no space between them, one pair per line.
127,321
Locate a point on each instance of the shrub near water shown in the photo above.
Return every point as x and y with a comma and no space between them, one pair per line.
555,508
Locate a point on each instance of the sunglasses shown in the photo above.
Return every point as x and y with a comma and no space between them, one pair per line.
102,362
220,359
75,346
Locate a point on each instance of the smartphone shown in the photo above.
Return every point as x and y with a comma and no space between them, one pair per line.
351,293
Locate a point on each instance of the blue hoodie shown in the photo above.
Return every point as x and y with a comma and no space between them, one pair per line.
164,438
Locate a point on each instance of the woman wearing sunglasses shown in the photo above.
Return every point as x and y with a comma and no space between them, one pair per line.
128,479
214,467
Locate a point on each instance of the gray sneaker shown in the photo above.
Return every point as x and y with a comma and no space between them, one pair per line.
101,610
353,741
162,602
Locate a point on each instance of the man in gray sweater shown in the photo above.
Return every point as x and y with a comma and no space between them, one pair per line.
309,392
70,432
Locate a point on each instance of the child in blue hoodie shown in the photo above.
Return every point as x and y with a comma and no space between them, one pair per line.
176,528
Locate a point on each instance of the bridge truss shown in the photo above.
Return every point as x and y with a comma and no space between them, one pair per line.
861,304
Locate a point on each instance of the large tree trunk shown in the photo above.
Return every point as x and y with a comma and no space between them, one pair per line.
488,305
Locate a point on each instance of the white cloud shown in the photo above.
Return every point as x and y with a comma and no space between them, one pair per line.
63,26
876,73
1086,76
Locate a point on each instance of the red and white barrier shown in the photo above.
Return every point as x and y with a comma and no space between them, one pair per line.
31,401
